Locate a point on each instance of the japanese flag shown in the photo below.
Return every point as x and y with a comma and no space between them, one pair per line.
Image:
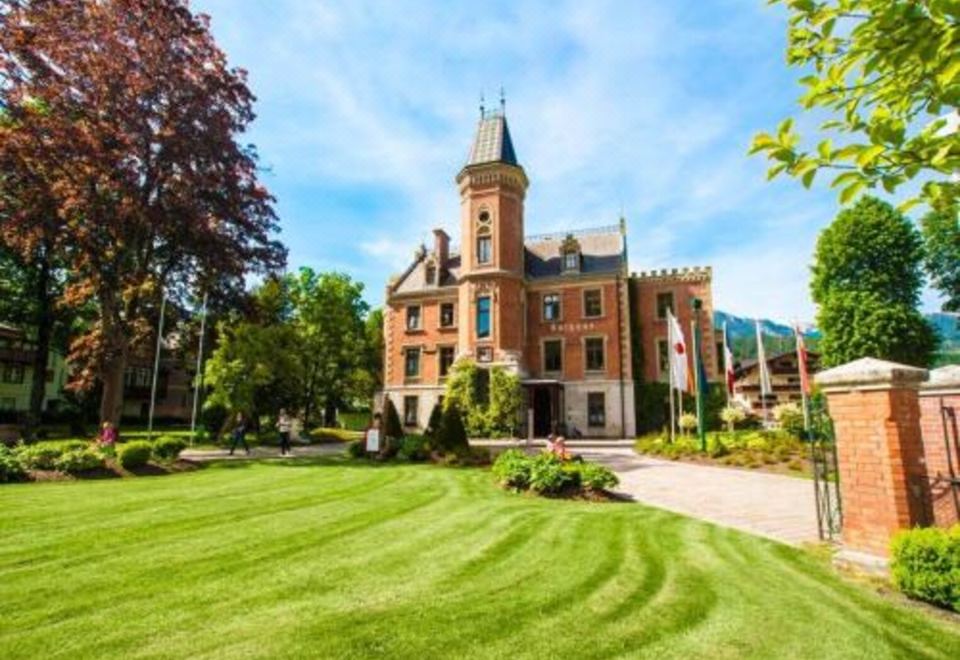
679,376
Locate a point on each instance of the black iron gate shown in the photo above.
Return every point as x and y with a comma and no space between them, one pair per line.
826,476
951,440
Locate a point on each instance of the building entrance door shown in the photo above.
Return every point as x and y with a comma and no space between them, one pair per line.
542,412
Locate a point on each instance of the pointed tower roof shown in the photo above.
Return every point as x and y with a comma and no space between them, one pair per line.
492,143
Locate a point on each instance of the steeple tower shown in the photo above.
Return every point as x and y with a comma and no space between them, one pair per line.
492,187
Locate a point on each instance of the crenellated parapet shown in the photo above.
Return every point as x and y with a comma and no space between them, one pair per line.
685,274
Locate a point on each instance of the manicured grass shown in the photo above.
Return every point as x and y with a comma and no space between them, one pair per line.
317,558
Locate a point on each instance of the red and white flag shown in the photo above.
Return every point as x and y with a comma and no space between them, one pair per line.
802,362
679,374
728,361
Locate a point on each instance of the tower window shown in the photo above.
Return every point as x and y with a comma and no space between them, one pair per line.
484,249
483,317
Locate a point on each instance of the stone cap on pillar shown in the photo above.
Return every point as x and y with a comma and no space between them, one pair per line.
870,374
945,380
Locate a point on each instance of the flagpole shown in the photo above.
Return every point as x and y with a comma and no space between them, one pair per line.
156,367
670,341
802,372
198,380
726,366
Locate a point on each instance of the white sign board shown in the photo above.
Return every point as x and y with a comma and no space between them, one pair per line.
373,440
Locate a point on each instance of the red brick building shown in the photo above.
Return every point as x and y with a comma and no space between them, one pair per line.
559,310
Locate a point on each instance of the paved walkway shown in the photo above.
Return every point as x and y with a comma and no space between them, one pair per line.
770,505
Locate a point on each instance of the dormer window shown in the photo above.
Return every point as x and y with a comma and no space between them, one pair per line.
570,254
431,274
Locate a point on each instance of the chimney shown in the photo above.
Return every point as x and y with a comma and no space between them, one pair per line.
441,246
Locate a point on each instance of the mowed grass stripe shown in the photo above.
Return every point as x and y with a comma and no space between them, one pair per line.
323,558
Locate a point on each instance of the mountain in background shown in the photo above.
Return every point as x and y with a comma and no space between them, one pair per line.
778,337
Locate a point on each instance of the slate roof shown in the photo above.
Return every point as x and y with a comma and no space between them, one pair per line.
415,279
492,143
602,250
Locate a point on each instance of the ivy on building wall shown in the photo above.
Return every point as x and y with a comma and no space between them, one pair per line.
489,399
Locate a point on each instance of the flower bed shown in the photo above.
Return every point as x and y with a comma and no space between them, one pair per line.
770,451
549,475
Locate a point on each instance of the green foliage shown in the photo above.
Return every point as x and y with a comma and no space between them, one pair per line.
77,461
887,72
334,435
491,408
433,424
941,238
305,346
451,437
866,280
739,448
790,418
414,448
357,449
596,477
11,467
652,404
41,456
548,476
732,415
134,454
168,447
512,469
392,428
687,422
213,417
925,564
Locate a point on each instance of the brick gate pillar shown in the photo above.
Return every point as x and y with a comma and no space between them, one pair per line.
876,418
939,442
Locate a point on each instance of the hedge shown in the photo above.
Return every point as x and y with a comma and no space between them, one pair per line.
925,564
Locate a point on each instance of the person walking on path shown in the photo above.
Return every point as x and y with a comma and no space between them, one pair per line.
284,425
239,434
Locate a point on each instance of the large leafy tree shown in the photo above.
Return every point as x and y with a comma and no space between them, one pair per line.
128,114
867,276
328,317
304,345
941,236
888,74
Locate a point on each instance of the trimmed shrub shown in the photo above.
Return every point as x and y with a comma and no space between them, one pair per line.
451,436
357,449
77,461
11,466
548,476
790,418
392,428
433,424
168,447
597,478
512,469
414,448
134,454
926,565
42,456
322,434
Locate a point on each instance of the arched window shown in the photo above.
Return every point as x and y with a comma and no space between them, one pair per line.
484,231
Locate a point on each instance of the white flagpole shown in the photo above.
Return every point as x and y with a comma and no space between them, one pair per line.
670,348
198,380
801,365
761,368
156,368
726,366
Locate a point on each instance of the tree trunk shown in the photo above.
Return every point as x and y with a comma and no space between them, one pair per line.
111,401
41,357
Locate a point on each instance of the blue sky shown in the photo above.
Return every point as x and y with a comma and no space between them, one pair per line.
366,111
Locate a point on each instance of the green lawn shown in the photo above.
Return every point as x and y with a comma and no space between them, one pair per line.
328,559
